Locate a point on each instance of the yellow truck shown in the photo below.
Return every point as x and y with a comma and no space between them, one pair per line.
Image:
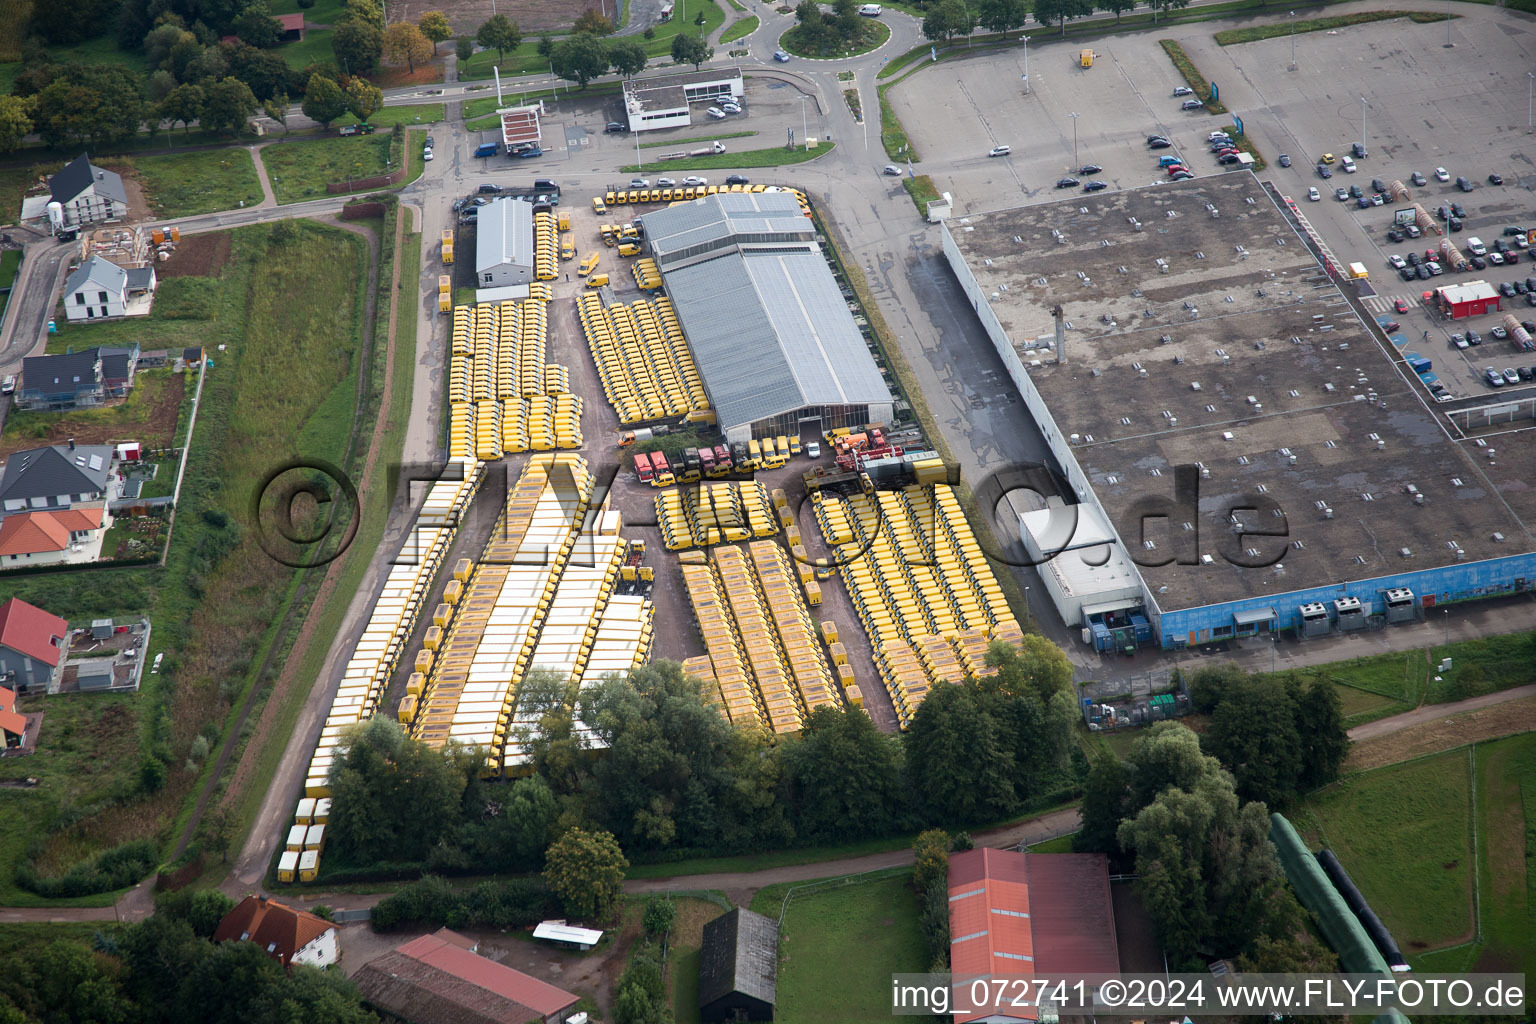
629,249
597,280
567,247
588,265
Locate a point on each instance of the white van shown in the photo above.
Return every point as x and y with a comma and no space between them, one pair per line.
1476,247
1348,164
870,10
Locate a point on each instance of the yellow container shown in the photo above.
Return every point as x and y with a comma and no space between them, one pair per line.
453,591
288,866
839,653
309,865
829,631
423,662
444,303
462,569
407,710
433,638
444,284
813,593
296,836
415,684
855,697
441,614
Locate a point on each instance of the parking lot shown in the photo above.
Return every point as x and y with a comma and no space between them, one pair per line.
1425,106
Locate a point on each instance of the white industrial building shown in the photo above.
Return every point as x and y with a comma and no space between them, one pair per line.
770,329
504,244
1085,570
666,100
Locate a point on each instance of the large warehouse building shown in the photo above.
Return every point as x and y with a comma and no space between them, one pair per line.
1228,428
504,244
769,327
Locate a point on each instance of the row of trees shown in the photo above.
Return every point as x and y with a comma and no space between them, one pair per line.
678,780
164,969
949,18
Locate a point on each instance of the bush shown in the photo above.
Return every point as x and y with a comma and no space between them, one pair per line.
117,868
430,902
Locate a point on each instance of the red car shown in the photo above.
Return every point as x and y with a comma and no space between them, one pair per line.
1175,169
1401,305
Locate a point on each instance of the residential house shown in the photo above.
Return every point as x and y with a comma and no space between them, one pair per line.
289,936
71,380
440,979
13,724
118,366
32,646
100,289
88,194
53,503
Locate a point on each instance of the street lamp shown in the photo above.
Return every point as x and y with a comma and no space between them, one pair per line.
804,138
1075,161
1448,43
1530,95
1293,40
1025,41
1362,122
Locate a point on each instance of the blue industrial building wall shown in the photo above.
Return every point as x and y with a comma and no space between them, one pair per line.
1431,588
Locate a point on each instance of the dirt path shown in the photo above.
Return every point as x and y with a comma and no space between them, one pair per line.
1435,712
1484,722
268,197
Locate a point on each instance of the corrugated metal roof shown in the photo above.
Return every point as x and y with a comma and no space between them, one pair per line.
740,955
771,333
719,217
504,234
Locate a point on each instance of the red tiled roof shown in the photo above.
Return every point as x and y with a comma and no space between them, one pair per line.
281,930
7,699
1017,915
435,980
13,723
454,959
32,631
291,22
31,533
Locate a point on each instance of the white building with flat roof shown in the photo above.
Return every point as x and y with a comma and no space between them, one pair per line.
504,244
665,101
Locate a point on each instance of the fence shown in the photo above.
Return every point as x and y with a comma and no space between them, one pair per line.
360,184
1135,700
877,875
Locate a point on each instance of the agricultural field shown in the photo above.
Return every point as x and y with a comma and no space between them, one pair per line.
300,170
119,768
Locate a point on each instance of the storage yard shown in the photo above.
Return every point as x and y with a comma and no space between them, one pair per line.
698,555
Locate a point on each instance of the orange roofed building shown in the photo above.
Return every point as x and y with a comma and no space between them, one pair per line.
289,936
1028,914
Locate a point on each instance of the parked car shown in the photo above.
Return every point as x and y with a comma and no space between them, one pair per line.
1285,160
1421,272
1394,235
613,127
1473,338
715,112
1183,90
1418,179
1495,179
730,107
1496,259
1499,332
1192,104
694,179
1069,182
737,179
1435,270
665,182
1155,137
1441,174
1396,262
1323,171
1493,377
1377,185
1414,259
1458,341
1457,210
639,182
1089,169
1453,225
1511,376
1313,194
1182,176
1390,326
1341,194
8,385
1159,144
1095,186
1358,149
781,56
1464,184
1327,158
1228,158
1512,257
1412,230
1000,151
426,153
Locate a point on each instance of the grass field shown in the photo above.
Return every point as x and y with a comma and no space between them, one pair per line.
922,190
684,942
872,35
740,30
694,140
1402,833
839,948
288,296
301,170
132,416
1484,665
773,156
1257,32
893,137
1192,75
420,113
183,184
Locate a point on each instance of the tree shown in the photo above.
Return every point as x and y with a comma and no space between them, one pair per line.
595,22
687,49
277,109
1106,794
15,121
434,25
1166,756
1004,16
1164,5
930,858
265,71
1324,739
499,33
363,99
389,793
580,59
358,46
256,27
1253,734
546,45
1208,685
324,101
946,19
227,106
366,12
1047,11
627,56
90,104
585,870
1117,6
405,44
955,759
660,912
162,40
845,777
209,65
847,19
206,909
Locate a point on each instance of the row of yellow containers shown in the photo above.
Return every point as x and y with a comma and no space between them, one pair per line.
631,197
498,349
905,679
546,246
447,246
764,658
298,867
643,361
712,514
737,693
647,274
541,423
796,634
306,837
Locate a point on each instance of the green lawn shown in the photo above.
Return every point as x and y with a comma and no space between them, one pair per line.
183,184
10,262
1282,28
288,297
893,137
922,190
773,156
872,36
421,113
522,60
839,948
1061,844
301,170
1402,834
1484,665
694,140
683,944
740,30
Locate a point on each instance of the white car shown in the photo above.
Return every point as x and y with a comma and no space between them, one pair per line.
8,385
813,449
1441,174
639,182
665,182
426,154
870,10
1000,151
694,179
731,108
715,112
1313,194
1396,262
